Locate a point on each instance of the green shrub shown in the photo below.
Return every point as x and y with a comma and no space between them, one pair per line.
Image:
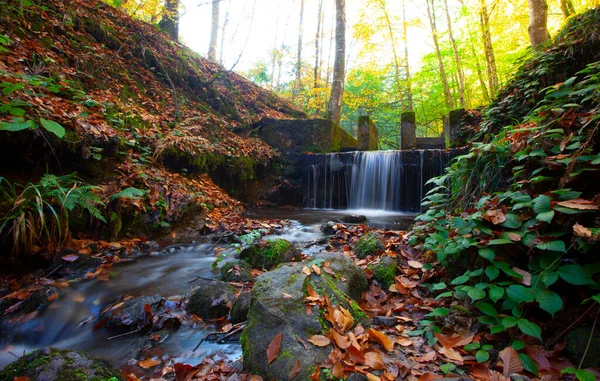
39,213
367,245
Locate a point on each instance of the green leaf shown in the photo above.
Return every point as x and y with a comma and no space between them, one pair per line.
542,204
460,280
53,127
476,294
529,364
575,274
518,345
496,292
549,301
482,356
438,286
519,294
492,272
446,294
509,322
487,253
499,241
17,124
512,221
438,312
529,328
549,278
132,193
447,367
553,246
585,375
471,346
487,309
545,216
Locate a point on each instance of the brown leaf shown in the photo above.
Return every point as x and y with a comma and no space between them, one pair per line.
510,361
338,370
381,338
452,355
286,296
373,360
427,357
319,340
415,264
306,270
579,204
453,341
526,276
274,347
70,257
581,231
148,363
340,340
295,370
355,355
316,269
429,377
496,216
404,341
372,377
22,378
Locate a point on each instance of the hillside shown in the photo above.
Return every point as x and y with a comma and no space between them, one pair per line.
85,88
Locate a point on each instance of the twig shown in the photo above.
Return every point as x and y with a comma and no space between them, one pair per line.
203,278
9,352
124,334
232,331
236,330
589,341
53,271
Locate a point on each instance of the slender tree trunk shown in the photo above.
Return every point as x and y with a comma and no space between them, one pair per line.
484,90
457,60
274,52
490,60
394,51
280,53
339,67
317,74
214,31
170,20
409,96
432,24
538,22
299,60
331,38
223,28
567,7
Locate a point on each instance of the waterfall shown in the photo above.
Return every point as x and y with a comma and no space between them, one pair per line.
385,180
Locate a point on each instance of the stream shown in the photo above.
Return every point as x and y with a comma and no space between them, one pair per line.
69,320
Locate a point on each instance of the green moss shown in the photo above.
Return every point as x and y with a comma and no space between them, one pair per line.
270,255
367,245
385,275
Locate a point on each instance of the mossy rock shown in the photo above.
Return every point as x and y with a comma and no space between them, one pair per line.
236,272
239,310
211,299
50,364
368,244
385,271
267,255
577,341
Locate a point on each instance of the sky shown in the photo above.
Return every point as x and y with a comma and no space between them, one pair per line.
249,39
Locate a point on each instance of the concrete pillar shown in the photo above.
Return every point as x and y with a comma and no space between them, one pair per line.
408,130
367,134
451,126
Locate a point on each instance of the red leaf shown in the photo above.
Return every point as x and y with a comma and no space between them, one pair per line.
295,370
274,347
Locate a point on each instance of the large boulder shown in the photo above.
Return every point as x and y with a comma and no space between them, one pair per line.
278,306
268,254
211,299
50,364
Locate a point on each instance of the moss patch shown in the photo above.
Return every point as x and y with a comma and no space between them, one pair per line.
367,245
270,254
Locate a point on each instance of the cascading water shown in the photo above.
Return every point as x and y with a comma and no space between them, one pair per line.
383,180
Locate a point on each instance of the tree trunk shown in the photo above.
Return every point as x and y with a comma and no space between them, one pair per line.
299,60
567,7
409,96
317,73
170,20
214,31
280,53
339,67
457,60
225,22
490,60
432,24
484,90
538,22
381,4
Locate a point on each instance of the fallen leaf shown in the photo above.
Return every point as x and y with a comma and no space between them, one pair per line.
373,360
295,370
274,347
148,363
340,340
581,231
381,338
526,276
415,264
579,204
319,340
427,357
70,257
306,270
429,377
496,216
286,296
372,377
510,361
453,341
404,341
452,355
316,269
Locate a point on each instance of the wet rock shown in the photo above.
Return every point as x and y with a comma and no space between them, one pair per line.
329,228
72,264
239,311
52,364
277,305
14,312
577,341
368,244
226,237
236,272
357,377
386,321
385,271
151,246
211,299
354,219
129,315
266,255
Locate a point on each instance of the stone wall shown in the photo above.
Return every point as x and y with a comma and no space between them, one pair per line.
367,134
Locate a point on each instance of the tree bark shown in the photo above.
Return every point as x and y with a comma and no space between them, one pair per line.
538,22
317,70
170,20
567,8
409,96
299,58
381,4
339,67
484,90
457,60
214,31
223,28
432,24
490,60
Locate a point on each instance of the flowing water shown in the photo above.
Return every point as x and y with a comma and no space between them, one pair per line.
69,320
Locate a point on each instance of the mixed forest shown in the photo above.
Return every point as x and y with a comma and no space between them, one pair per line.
132,167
